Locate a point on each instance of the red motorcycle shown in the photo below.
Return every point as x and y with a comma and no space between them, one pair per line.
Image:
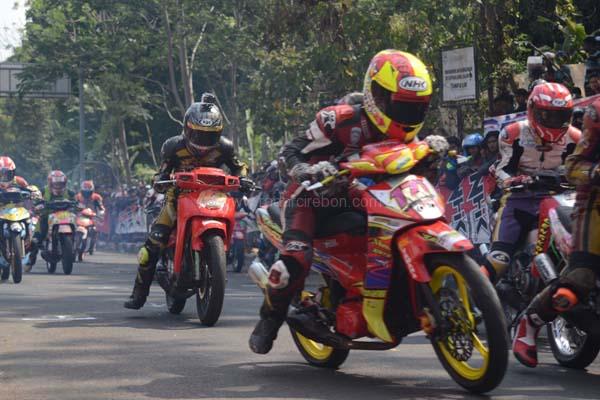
574,336
194,262
392,268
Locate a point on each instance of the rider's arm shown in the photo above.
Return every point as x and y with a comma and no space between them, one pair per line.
98,201
168,158
21,182
236,167
509,158
582,163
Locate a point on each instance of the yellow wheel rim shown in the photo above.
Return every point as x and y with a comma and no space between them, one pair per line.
463,368
315,350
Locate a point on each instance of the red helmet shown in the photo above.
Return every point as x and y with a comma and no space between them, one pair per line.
397,90
549,110
87,188
7,170
57,182
591,119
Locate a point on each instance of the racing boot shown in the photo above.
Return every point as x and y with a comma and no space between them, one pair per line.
265,331
147,259
31,257
524,347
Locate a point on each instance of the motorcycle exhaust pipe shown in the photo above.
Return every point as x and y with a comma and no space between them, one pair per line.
545,268
258,273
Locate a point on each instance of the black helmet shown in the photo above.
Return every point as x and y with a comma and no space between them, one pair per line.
202,127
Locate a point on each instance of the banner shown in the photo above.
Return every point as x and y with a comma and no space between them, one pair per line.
467,208
131,220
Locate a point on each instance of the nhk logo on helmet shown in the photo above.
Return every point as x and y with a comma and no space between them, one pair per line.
413,83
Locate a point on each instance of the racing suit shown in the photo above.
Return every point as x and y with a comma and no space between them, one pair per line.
521,153
337,131
175,157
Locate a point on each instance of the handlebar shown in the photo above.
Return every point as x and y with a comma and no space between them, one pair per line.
311,187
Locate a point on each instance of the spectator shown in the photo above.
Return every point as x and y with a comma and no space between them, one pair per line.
502,104
472,146
448,175
521,96
593,85
577,117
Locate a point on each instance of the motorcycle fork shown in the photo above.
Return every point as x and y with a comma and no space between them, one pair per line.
431,308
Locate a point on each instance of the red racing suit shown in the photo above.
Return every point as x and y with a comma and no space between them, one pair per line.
337,132
94,202
522,153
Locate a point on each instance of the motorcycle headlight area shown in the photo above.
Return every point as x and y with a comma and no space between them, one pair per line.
16,227
211,199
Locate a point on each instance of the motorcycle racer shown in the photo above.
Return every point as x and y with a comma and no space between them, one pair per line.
579,278
55,190
530,147
199,145
397,90
88,198
8,177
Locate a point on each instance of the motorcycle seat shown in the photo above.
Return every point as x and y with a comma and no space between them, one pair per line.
352,222
565,216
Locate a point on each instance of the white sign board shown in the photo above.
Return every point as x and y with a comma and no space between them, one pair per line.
459,76
9,83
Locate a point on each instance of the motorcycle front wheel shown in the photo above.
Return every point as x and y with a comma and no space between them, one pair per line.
571,347
66,241
212,263
473,345
16,258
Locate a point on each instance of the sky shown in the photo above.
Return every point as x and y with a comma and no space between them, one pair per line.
11,23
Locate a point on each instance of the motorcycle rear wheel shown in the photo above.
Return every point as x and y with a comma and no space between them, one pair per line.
66,242
571,347
317,354
467,300
212,263
17,258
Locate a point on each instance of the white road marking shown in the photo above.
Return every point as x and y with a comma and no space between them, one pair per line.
61,318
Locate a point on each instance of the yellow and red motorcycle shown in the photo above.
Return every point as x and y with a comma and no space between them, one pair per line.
392,268
14,230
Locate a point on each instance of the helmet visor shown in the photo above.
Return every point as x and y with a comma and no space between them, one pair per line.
6,175
202,138
553,119
58,187
407,113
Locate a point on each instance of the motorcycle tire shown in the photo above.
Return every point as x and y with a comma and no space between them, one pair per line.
175,305
318,354
16,266
576,358
209,297
66,241
456,281
51,267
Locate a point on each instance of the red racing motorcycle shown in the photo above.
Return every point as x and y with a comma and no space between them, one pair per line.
391,269
194,262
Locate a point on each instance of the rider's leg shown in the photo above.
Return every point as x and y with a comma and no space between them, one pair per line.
150,252
41,231
514,216
574,284
295,260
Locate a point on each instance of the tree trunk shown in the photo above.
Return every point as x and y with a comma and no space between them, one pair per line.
150,143
172,81
184,69
124,151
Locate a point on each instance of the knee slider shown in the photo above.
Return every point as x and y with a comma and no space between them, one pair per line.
564,299
159,234
279,276
146,254
499,260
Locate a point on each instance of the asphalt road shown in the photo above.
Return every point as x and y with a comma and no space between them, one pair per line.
68,337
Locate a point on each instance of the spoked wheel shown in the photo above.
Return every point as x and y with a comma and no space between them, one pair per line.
211,262
473,344
16,258
316,353
571,347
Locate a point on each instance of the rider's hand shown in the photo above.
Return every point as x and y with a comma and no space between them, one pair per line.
161,187
323,169
301,172
247,185
517,181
